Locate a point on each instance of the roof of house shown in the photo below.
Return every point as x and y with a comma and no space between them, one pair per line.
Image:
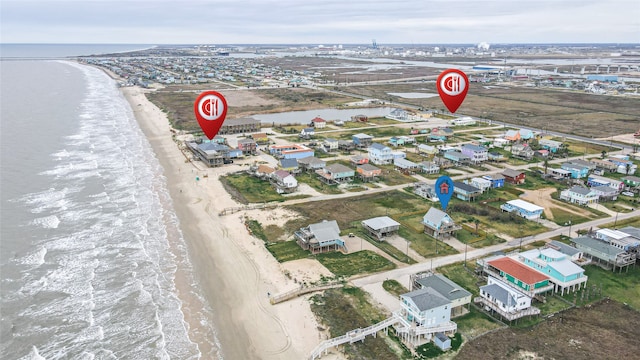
631,178
474,148
281,174
597,245
325,230
318,119
518,270
429,164
379,146
632,231
566,267
511,173
337,168
435,216
605,189
457,154
525,205
362,136
426,299
499,293
444,286
493,177
289,163
404,163
311,160
580,190
465,187
368,167
380,222
246,141
265,169
563,248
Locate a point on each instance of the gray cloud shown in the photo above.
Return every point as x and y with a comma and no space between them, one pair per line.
316,21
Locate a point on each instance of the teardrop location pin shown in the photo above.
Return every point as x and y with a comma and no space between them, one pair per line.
210,109
452,85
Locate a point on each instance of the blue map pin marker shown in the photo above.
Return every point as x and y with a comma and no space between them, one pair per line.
444,190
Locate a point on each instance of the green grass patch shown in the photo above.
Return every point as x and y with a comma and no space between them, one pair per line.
475,323
426,245
287,251
621,286
462,276
256,230
562,217
249,189
361,262
634,221
312,180
394,288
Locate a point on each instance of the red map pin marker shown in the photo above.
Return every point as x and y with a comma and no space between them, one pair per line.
452,85
210,109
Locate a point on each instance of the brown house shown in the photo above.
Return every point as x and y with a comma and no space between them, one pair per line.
514,176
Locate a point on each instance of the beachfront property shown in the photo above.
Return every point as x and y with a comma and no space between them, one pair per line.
423,313
405,166
429,167
562,272
368,172
550,145
362,140
381,227
311,163
604,254
247,146
239,126
476,153
380,154
318,122
457,157
212,154
513,176
330,144
517,274
579,195
425,190
596,180
577,171
522,151
292,151
497,180
523,208
284,182
439,224
336,174
505,300
321,237
465,192
346,145
458,296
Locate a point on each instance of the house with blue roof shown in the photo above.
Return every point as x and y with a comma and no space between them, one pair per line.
380,154
497,180
562,272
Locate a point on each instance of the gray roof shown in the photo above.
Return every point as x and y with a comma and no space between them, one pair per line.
380,222
379,146
493,177
363,136
426,299
563,248
444,286
404,163
434,215
466,187
632,231
241,121
580,190
631,178
246,141
311,160
605,189
325,231
499,293
475,148
511,172
336,168
368,167
457,154
289,163
598,245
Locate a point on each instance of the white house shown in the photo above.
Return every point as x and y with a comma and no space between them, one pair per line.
503,296
523,208
330,144
462,121
480,183
380,154
579,195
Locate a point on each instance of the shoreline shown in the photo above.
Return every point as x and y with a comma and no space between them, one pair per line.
246,324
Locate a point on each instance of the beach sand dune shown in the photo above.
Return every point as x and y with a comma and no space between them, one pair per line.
234,269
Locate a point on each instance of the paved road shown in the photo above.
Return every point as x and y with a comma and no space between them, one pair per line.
401,274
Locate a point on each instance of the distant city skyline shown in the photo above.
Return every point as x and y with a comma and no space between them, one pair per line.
327,22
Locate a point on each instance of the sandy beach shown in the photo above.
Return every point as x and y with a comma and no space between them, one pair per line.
234,269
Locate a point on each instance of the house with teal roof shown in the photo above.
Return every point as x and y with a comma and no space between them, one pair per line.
562,272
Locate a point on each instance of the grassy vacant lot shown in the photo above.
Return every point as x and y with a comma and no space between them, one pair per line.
287,251
623,287
622,223
343,310
605,330
361,262
394,288
475,323
248,189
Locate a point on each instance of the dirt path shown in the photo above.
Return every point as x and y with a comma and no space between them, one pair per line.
542,197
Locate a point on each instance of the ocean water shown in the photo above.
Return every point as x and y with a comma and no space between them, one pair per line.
92,260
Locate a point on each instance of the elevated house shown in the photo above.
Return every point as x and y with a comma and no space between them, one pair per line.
260,138
523,208
562,272
439,224
622,239
262,171
330,145
429,167
289,165
497,180
380,154
381,227
577,171
359,160
518,275
307,133
212,154
476,154
336,174
405,166
293,151
465,192
455,293
526,134
597,180
284,182
512,135
560,174
571,252
507,301
603,253
462,121
425,149
362,140
551,145
481,183
605,193
522,151
440,133
368,172
247,146
240,126
457,157
623,166
423,313
500,142
603,165
579,195
495,157
311,163
631,182
346,145
514,176
320,237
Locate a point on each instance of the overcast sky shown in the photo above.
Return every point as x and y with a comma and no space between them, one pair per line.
325,22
